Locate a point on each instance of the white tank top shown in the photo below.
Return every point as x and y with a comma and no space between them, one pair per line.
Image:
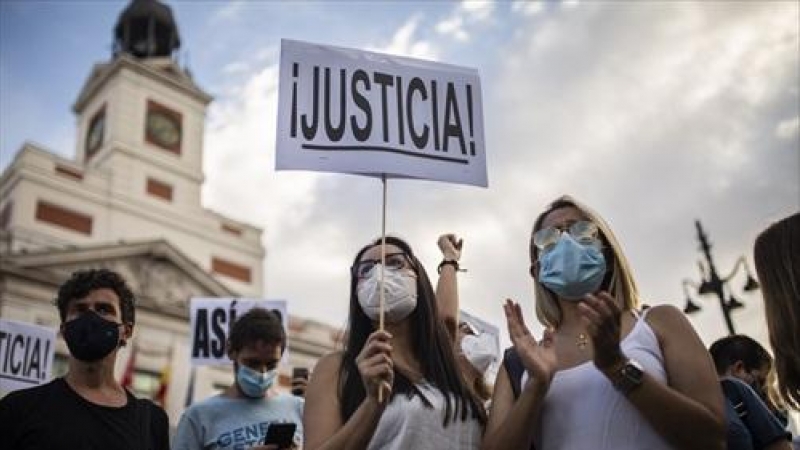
583,410
407,424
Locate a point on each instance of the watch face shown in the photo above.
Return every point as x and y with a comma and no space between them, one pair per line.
163,129
94,137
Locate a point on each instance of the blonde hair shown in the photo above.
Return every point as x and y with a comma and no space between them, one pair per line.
777,258
622,286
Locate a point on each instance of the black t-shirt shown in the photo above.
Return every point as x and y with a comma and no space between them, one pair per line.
53,416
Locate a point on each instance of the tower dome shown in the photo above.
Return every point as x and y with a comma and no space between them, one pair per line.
146,28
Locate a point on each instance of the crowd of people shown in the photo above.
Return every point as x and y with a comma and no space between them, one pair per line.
607,373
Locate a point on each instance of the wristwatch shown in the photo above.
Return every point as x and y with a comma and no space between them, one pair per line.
628,377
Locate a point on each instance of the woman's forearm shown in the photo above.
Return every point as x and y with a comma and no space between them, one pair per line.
358,430
683,422
517,430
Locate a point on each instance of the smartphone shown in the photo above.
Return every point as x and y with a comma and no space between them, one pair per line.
299,372
280,434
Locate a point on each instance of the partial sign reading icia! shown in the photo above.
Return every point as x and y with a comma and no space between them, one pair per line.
351,111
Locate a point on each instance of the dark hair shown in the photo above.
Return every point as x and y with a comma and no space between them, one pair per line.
257,324
730,349
82,282
777,257
431,344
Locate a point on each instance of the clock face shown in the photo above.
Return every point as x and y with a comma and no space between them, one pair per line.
94,137
163,129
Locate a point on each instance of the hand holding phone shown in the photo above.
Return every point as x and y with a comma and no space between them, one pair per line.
299,381
280,434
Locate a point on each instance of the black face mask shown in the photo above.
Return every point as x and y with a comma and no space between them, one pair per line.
90,337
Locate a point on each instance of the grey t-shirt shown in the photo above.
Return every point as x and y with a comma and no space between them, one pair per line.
226,423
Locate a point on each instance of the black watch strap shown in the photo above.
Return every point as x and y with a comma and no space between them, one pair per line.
448,262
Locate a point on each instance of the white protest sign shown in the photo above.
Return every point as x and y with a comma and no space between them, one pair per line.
481,326
353,111
210,322
26,355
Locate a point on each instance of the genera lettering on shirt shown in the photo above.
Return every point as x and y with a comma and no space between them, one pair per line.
410,115
243,437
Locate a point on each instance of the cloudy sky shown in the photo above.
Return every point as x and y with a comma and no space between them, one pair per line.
655,114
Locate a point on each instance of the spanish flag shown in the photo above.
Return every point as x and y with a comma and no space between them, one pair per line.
161,395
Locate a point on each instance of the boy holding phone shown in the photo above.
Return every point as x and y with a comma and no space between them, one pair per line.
248,414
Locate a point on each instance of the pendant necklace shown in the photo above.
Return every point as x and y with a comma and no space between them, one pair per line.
582,341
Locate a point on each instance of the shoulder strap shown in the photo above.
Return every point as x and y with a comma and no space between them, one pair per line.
515,369
734,396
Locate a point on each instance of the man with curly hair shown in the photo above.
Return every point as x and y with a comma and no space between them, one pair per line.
87,408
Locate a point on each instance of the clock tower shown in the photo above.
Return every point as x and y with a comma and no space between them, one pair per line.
142,107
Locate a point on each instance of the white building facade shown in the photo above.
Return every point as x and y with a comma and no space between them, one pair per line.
130,201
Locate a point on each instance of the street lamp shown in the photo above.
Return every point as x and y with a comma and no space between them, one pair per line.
712,283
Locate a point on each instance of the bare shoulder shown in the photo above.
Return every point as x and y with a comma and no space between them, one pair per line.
328,365
668,321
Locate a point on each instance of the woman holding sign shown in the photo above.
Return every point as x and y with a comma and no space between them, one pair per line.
397,388
605,375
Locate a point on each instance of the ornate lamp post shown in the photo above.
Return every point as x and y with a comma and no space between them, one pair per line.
712,283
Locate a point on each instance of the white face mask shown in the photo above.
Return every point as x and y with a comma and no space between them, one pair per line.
400,294
479,350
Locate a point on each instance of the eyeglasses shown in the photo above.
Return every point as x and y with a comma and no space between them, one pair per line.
394,261
583,231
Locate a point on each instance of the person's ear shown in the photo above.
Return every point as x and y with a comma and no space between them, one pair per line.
738,369
127,333
534,270
231,353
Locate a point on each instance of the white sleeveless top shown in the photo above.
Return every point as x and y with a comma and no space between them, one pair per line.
407,424
583,410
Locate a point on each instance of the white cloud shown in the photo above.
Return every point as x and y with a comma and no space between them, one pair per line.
527,7
788,129
478,11
466,19
404,42
454,27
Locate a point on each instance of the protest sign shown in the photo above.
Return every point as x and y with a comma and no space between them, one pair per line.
210,323
26,355
352,111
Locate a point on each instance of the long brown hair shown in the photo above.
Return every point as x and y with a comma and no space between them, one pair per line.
431,345
777,258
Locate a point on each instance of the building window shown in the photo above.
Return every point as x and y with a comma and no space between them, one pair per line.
231,229
159,189
163,127
146,383
5,216
230,269
95,133
69,172
63,217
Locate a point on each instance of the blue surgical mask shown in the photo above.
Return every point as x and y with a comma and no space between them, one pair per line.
571,269
253,383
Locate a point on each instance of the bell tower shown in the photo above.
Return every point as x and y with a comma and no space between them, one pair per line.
141,115
146,29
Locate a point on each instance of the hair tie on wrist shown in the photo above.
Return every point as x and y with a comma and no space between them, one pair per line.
449,262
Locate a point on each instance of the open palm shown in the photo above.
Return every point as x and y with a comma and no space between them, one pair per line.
539,359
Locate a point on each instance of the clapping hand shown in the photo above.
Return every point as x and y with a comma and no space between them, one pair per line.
539,359
601,317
